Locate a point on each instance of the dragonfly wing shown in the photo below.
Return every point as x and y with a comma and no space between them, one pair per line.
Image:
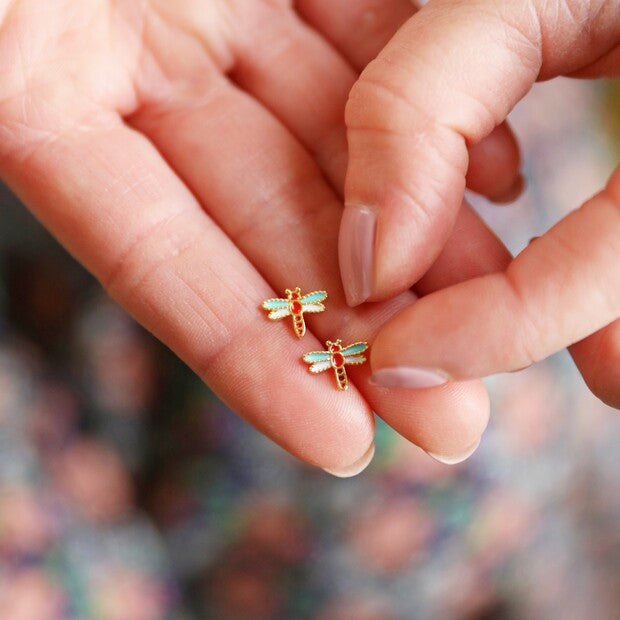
318,307
275,304
314,297
357,347
354,359
317,356
320,366
278,314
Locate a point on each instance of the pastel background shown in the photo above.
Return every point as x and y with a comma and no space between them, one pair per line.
128,492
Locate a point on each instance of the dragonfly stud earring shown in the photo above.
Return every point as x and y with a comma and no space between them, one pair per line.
295,305
336,357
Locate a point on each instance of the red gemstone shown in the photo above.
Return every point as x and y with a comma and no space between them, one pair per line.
334,348
338,360
295,307
294,295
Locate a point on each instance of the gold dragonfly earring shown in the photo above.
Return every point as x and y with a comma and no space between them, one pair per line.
337,357
295,305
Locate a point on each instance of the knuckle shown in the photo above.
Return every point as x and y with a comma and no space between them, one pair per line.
376,103
523,35
158,265
356,110
528,332
222,356
144,254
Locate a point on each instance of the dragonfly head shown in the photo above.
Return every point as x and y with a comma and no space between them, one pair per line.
334,347
293,294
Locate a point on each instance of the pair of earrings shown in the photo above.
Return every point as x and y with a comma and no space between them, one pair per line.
335,356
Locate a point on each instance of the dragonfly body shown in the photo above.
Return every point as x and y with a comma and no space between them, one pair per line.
337,357
295,305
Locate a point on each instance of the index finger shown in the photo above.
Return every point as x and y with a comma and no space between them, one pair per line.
564,286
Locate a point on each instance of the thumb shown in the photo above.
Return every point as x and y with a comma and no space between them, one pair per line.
447,78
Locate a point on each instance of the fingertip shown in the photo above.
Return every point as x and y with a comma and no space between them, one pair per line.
494,166
598,360
447,420
471,420
456,458
451,416
355,468
511,193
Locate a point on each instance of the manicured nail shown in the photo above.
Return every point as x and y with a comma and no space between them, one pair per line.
409,377
453,459
354,468
356,247
512,193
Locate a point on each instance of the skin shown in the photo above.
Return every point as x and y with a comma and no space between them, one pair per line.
564,288
196,170
192,156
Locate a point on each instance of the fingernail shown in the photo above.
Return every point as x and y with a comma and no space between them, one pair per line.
512,193
409,377
453,459
354,468
356,247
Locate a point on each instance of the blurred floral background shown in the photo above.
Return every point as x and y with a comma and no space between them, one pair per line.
128,492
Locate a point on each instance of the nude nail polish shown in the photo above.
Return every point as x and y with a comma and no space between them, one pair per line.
356,252
408,377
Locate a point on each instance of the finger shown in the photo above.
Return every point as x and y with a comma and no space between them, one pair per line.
361,30
298,76
472,250
598,360
114,203
494,168
445,80
357,30
266,192
304,82
563,287
606,67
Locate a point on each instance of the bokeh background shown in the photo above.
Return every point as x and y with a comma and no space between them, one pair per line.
128,492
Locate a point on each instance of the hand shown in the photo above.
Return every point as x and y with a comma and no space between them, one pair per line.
192,155
450,75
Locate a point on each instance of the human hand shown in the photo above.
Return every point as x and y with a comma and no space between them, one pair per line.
191,155
449,76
